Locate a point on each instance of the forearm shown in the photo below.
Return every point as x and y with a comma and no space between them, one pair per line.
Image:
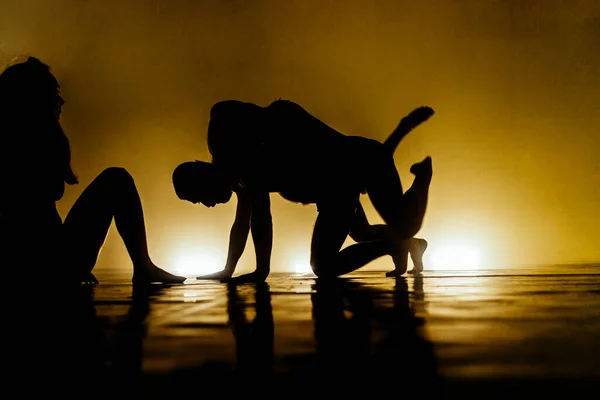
237,243
262,235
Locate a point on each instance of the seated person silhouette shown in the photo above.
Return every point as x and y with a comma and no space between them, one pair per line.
35,164
283,149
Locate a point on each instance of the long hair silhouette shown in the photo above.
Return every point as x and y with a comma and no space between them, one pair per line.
27,122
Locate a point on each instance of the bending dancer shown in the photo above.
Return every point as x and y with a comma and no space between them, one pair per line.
283,149
35,164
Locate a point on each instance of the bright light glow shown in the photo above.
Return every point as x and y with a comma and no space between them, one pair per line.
453,257
194,262
302,267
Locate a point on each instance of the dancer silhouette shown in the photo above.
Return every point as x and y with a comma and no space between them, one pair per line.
283,149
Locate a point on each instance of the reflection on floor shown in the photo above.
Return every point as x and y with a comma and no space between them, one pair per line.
443,334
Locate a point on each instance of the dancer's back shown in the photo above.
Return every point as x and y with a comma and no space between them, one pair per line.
279,148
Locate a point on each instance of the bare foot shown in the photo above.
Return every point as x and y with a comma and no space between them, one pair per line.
423,169
417,116
219,275
252,277
395,273
153,274
399,255
417,248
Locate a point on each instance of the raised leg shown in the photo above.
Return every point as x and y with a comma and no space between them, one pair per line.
403,212
417,246
406,125
112,194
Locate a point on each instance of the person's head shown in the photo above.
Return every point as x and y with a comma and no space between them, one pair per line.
201,182
29,88
30,109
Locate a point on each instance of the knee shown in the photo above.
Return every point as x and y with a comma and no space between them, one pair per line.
317,270
117,176
315,265
319,266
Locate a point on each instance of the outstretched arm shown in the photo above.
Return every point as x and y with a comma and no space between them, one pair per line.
262,235
407,124
238,237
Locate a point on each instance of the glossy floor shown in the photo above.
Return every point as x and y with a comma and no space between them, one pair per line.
454,333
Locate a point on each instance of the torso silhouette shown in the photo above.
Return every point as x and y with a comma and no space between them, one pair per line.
31,172
32,180
285,149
